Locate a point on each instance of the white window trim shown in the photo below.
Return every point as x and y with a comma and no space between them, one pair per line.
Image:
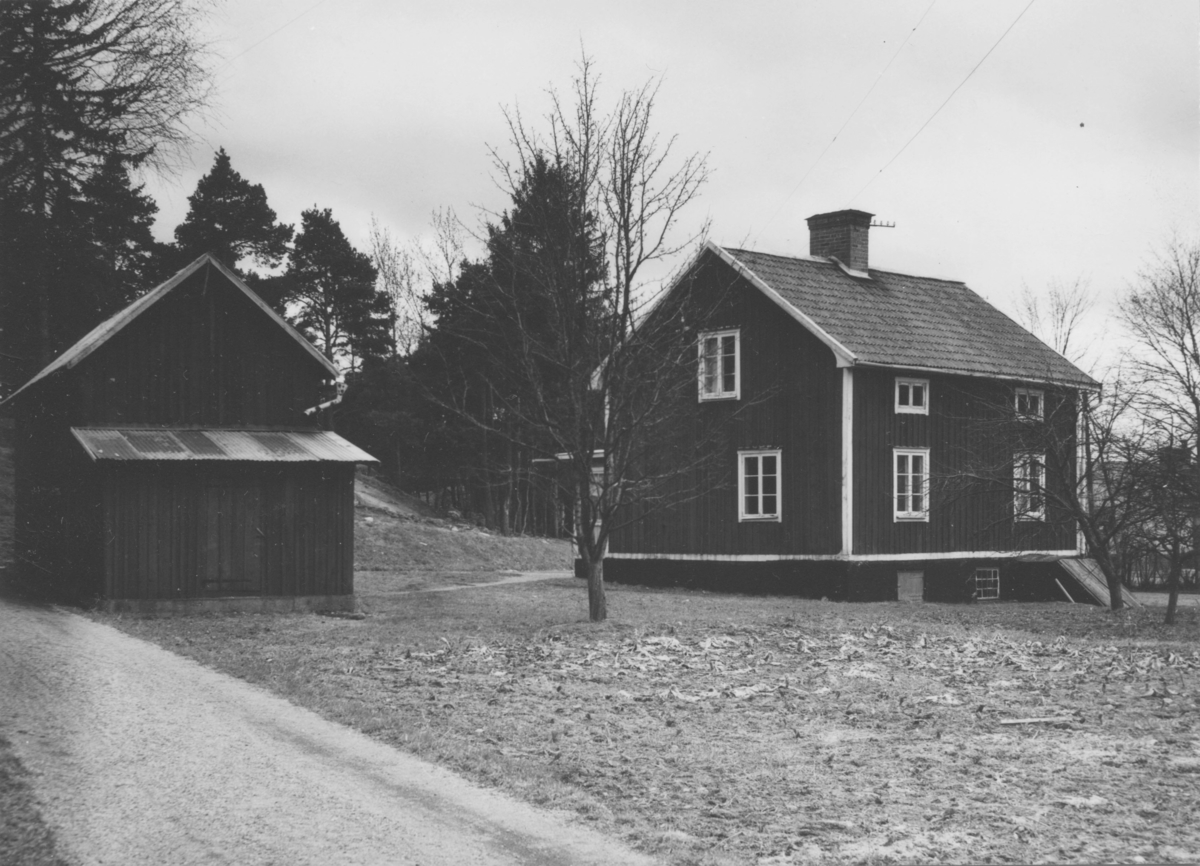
743,517
1023,515
911,516
1029,392
910,410
996,574
736,394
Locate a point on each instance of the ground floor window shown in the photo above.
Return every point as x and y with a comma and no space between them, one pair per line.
758,485
987,583
912,484
1029,484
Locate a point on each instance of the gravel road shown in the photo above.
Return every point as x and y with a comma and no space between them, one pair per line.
139,756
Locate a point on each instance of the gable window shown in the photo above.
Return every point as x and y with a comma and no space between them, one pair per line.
987,583
758,485
720,367
911,484
912,396
1029,403
1029,484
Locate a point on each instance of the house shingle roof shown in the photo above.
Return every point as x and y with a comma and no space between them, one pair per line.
896,320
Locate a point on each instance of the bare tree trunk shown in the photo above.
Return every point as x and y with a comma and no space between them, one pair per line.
1173,584
1100,553
597,604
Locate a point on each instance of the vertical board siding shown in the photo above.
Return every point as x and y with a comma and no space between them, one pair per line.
204,355
962,431
173,532
790,399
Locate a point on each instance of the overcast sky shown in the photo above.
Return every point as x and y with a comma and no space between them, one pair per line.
1071,152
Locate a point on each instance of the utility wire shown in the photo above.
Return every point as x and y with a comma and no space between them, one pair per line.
285,25
943,105
846,123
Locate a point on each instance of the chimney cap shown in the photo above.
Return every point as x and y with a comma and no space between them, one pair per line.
841,217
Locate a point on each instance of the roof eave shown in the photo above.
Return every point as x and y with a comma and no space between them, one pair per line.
1090,385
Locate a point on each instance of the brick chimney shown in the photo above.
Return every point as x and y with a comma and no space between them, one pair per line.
841,234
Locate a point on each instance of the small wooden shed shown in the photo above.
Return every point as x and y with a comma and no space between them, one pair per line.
172,459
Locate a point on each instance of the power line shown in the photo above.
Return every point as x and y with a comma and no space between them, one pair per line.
284,26
943,105
849,118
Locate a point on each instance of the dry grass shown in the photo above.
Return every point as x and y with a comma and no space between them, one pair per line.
396,547
726,729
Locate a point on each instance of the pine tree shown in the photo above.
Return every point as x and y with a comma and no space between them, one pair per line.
230,218
331,285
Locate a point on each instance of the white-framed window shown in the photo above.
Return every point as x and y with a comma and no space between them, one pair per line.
1029,486
987,583
1030,403
720,365
912,396
758,485
911,474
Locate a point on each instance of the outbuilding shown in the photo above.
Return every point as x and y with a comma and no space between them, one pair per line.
173,459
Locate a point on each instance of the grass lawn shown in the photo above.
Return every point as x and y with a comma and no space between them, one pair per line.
715,729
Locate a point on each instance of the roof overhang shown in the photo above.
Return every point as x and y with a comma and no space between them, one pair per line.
1090,385
208,444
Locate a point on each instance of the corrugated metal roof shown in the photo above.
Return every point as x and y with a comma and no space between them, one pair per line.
95,338
260,446
896,320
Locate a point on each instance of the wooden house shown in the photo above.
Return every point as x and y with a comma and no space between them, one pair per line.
172,459
848,394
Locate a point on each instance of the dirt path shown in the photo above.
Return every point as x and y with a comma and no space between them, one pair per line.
523,577
141,757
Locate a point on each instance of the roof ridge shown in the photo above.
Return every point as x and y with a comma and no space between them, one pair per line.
828,260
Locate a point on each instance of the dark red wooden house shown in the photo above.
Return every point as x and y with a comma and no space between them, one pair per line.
173,457
847,391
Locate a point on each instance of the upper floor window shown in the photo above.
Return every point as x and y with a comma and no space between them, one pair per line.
720,367
911,484
1030,403
758,485
1029,485
912,396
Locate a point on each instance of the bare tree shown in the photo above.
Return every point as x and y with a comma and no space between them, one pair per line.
597,197
1056,315
398,278
443,255
1162,313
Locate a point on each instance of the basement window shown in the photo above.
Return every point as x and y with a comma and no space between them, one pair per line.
987,584
911,498
1030,403
912,396
720,367
758,485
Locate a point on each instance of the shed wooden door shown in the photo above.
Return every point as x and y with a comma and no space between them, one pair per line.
232,555
910,585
